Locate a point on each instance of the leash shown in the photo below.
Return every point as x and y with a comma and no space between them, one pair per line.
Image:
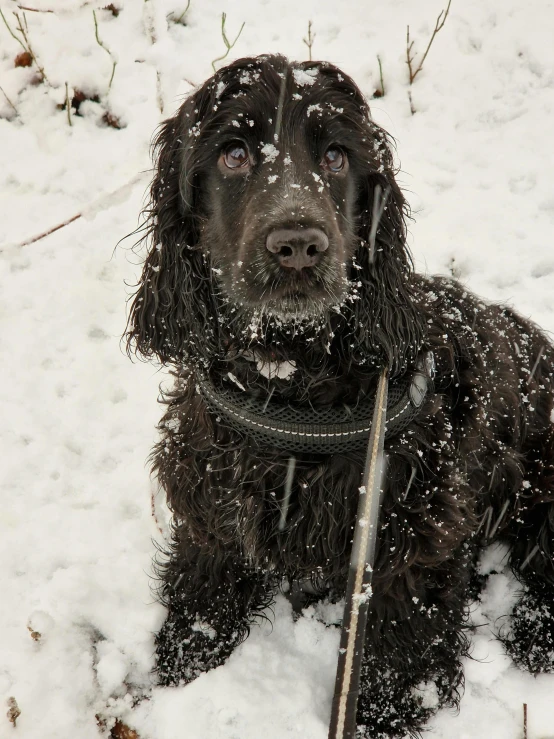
358,592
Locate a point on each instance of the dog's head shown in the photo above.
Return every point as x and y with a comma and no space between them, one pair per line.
268,180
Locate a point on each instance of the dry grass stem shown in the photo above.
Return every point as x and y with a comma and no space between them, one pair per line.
181,18
9,101
68,104
382,90
100,43
226,41
22,38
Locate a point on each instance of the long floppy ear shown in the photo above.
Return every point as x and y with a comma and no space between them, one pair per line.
173,309
387,320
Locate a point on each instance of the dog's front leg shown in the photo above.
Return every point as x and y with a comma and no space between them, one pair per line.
212,598
414,645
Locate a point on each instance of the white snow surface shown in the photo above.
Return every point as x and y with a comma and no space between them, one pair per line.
79,418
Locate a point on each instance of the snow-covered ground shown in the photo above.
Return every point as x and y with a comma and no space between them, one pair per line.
78,418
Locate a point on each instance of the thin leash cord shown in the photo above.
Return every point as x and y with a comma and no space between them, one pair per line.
366,527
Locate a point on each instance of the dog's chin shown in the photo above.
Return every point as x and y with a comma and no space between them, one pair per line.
296,305
293,301
295,308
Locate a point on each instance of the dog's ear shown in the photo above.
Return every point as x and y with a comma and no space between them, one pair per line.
387,320
173,308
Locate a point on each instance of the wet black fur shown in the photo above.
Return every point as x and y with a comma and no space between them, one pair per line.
476,466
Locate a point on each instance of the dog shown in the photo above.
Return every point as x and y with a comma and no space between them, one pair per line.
276,287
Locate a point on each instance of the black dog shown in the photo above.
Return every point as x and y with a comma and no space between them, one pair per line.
266,292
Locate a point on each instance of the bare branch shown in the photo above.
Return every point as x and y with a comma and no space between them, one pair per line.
438,25
24,32
409,59
34,10
310,41
19,41
104,201
50,230
23,39
226,41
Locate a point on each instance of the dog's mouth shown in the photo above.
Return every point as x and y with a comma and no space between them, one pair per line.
302,295
294,283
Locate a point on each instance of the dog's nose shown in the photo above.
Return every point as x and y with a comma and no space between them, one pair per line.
297,248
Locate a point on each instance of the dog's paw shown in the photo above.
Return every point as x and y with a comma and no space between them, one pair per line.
398,703
393,714
530,640
390,708
186,648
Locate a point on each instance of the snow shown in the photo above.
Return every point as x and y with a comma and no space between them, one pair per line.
282,370
270,152
304,77
76,528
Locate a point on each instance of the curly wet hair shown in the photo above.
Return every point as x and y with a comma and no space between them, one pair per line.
267,270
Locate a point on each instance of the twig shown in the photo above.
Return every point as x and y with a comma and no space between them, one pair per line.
34,10
68,104
19,41
149,22
9,101
104,201
412,109
100,43
226,41
23,32
24,40
148,19
525,721
50,230
409,59
180,18
310,41
382,91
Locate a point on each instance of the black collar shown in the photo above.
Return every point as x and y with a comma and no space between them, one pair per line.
322,431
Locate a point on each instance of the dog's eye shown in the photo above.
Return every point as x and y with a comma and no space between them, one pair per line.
235,156
334,159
